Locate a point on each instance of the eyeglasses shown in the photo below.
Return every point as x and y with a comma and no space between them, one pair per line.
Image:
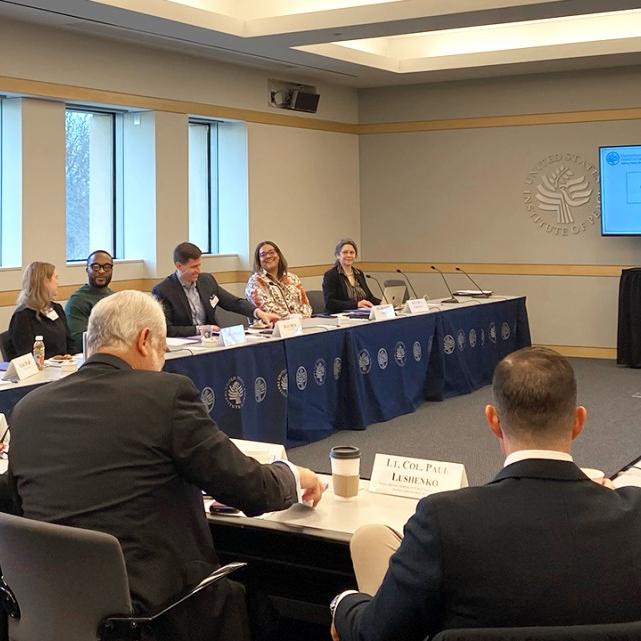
96,267
267,254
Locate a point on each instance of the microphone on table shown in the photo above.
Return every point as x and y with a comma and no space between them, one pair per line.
451,299
379,286
482,293
406,277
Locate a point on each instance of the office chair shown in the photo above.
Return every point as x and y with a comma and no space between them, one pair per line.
229,319
396,282
316,300
6,346
63,583
630,631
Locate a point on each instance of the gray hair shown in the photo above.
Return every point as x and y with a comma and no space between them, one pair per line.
117,320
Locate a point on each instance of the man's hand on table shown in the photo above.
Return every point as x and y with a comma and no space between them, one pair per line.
311,485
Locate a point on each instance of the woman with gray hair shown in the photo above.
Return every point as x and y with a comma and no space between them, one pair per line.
38,315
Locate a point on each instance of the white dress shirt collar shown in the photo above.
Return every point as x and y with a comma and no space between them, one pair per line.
522,455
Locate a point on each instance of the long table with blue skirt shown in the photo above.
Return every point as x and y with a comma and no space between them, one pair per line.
303,388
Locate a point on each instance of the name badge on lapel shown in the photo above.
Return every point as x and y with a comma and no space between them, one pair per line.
213,301
52,314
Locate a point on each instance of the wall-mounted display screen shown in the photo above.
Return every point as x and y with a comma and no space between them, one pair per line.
620,169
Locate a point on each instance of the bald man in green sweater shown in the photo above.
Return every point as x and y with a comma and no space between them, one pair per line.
100,266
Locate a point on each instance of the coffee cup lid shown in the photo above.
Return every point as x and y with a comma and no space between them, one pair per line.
345,452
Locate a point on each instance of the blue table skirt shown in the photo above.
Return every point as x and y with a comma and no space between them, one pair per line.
302,389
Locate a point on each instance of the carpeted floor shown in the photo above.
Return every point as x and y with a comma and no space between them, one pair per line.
455,430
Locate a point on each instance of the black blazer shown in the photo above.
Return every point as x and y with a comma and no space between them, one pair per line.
178,313
539,545
336,293
127,452
24,326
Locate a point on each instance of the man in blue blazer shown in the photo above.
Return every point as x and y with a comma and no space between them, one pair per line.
539,545
190,298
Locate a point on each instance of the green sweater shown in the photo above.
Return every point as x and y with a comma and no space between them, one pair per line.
79,307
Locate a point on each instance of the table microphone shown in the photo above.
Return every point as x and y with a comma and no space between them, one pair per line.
451,299
482,293
406,277
379,286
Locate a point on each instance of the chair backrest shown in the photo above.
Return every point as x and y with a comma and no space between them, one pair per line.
65,579
225,318
6,346
396,282
630,631
316,300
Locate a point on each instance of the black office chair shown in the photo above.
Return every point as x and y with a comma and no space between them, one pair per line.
630,631
397,282
229,319
6,346
63,583
316,300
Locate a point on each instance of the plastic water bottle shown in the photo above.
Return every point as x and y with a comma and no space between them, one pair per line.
39,352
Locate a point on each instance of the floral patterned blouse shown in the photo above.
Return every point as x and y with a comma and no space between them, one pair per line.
283,297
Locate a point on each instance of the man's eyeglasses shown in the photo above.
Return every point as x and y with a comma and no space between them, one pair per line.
96,267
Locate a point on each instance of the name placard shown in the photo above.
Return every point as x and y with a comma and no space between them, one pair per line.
416,306
234,335
415,477
20,368
288,327
382,312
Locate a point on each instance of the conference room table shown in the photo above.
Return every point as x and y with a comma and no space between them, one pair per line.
341,373
300,556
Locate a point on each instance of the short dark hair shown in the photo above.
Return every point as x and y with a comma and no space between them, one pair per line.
535,392
345,241
186,252
282,263
98,251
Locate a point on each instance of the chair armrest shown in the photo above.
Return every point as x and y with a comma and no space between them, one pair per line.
127,626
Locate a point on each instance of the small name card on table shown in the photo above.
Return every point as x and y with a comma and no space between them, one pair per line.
234,335
20,368
288,327
416,306
415,477
382,312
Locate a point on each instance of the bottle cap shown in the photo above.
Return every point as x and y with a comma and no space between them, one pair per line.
38,338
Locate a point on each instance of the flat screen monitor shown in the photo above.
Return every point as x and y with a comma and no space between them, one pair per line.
620,178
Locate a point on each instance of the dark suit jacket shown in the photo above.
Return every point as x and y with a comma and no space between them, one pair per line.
336,293
127,452
178,313
539,545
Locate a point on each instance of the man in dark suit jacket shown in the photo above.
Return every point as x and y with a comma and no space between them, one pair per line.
540,545
190,299
124,448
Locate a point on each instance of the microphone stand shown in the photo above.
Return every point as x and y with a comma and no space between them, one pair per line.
451,299
405,276
379,286
481,293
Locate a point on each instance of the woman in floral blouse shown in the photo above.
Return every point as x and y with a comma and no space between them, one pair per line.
272,288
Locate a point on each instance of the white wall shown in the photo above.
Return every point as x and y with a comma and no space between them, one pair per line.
457,196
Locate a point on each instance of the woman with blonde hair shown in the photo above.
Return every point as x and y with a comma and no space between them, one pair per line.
38,315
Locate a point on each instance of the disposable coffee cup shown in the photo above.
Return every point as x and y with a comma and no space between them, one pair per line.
598,476
346,463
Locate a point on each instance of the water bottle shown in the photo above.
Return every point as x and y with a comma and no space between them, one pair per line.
39,352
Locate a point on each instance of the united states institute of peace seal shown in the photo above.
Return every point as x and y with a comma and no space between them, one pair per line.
561,194
301,378
449,344
417,351
235,392
282,382
382,358
260,389
320,371
208,397
338,366
364,361
400,354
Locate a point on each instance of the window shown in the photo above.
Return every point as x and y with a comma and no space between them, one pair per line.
91,181
203,185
